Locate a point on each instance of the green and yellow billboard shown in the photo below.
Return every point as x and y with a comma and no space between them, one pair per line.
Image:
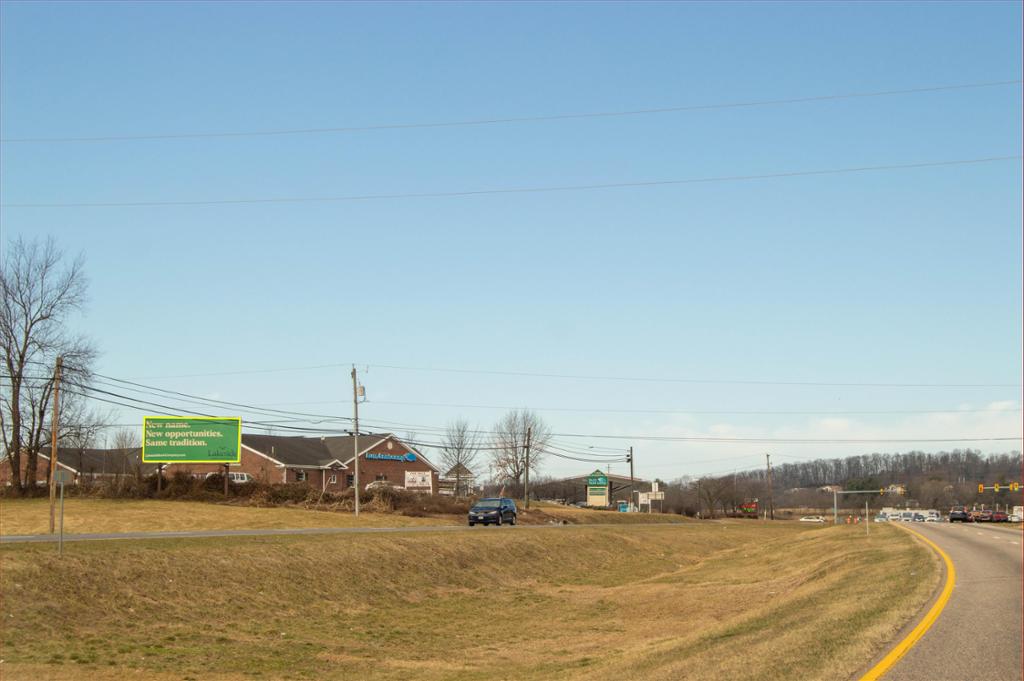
191,439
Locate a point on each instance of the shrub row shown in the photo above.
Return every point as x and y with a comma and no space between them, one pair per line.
181,485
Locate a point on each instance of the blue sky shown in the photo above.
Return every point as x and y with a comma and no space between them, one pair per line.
902,276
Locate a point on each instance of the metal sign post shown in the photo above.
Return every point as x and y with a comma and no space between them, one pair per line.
61,477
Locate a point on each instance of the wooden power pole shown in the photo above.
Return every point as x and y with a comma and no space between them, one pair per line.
771,497
54,427
630,479
526,485
355,434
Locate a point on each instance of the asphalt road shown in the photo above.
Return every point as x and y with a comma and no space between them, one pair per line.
978,635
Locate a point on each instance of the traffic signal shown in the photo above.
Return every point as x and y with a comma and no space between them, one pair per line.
981,488
995,487
881,491
1014,486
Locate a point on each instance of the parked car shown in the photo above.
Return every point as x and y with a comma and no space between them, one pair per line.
919,517
493,512
378,484
933,519
237,478
1000,517
982,516
881,518
959,516
812,519
1014,518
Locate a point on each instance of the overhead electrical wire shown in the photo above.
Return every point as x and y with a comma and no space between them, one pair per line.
653,379
683,412
512,119
91,392
593,377
634,437
517,190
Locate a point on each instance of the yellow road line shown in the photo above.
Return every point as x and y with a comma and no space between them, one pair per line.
901,649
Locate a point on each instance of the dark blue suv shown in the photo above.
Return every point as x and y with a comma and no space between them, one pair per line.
493,512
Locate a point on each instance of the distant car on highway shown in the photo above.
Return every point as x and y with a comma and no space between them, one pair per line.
495,511
1000,517
959,516
812,519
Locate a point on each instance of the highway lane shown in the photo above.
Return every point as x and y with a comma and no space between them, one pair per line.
978,635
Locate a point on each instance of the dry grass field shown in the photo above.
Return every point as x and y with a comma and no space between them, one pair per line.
81,516
730,600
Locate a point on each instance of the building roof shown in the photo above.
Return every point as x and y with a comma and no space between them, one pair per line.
290,450
306,452
461,471
342,447
99,461
318,451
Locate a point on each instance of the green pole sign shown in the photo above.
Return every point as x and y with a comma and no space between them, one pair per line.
191,439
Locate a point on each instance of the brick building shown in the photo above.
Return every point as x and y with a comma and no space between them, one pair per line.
326,463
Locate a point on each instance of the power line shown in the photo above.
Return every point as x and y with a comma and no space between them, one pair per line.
266,411
512,119
824,441
650,379
580,377
691,411
517,190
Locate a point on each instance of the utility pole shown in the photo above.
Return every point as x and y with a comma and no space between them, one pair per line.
526,486
700,504
771,497
355,434
54,427
631,478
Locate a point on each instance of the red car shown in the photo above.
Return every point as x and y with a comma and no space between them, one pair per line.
982,516
1000,517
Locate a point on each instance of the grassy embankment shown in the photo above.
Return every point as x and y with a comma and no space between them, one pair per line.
750,600
83,516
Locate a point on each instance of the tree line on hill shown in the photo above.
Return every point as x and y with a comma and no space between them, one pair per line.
929,480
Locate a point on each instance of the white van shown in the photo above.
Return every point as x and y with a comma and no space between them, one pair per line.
237,478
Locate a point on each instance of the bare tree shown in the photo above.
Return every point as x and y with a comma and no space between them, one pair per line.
80,430
714,491
129,445
459,449
38,292
510,443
